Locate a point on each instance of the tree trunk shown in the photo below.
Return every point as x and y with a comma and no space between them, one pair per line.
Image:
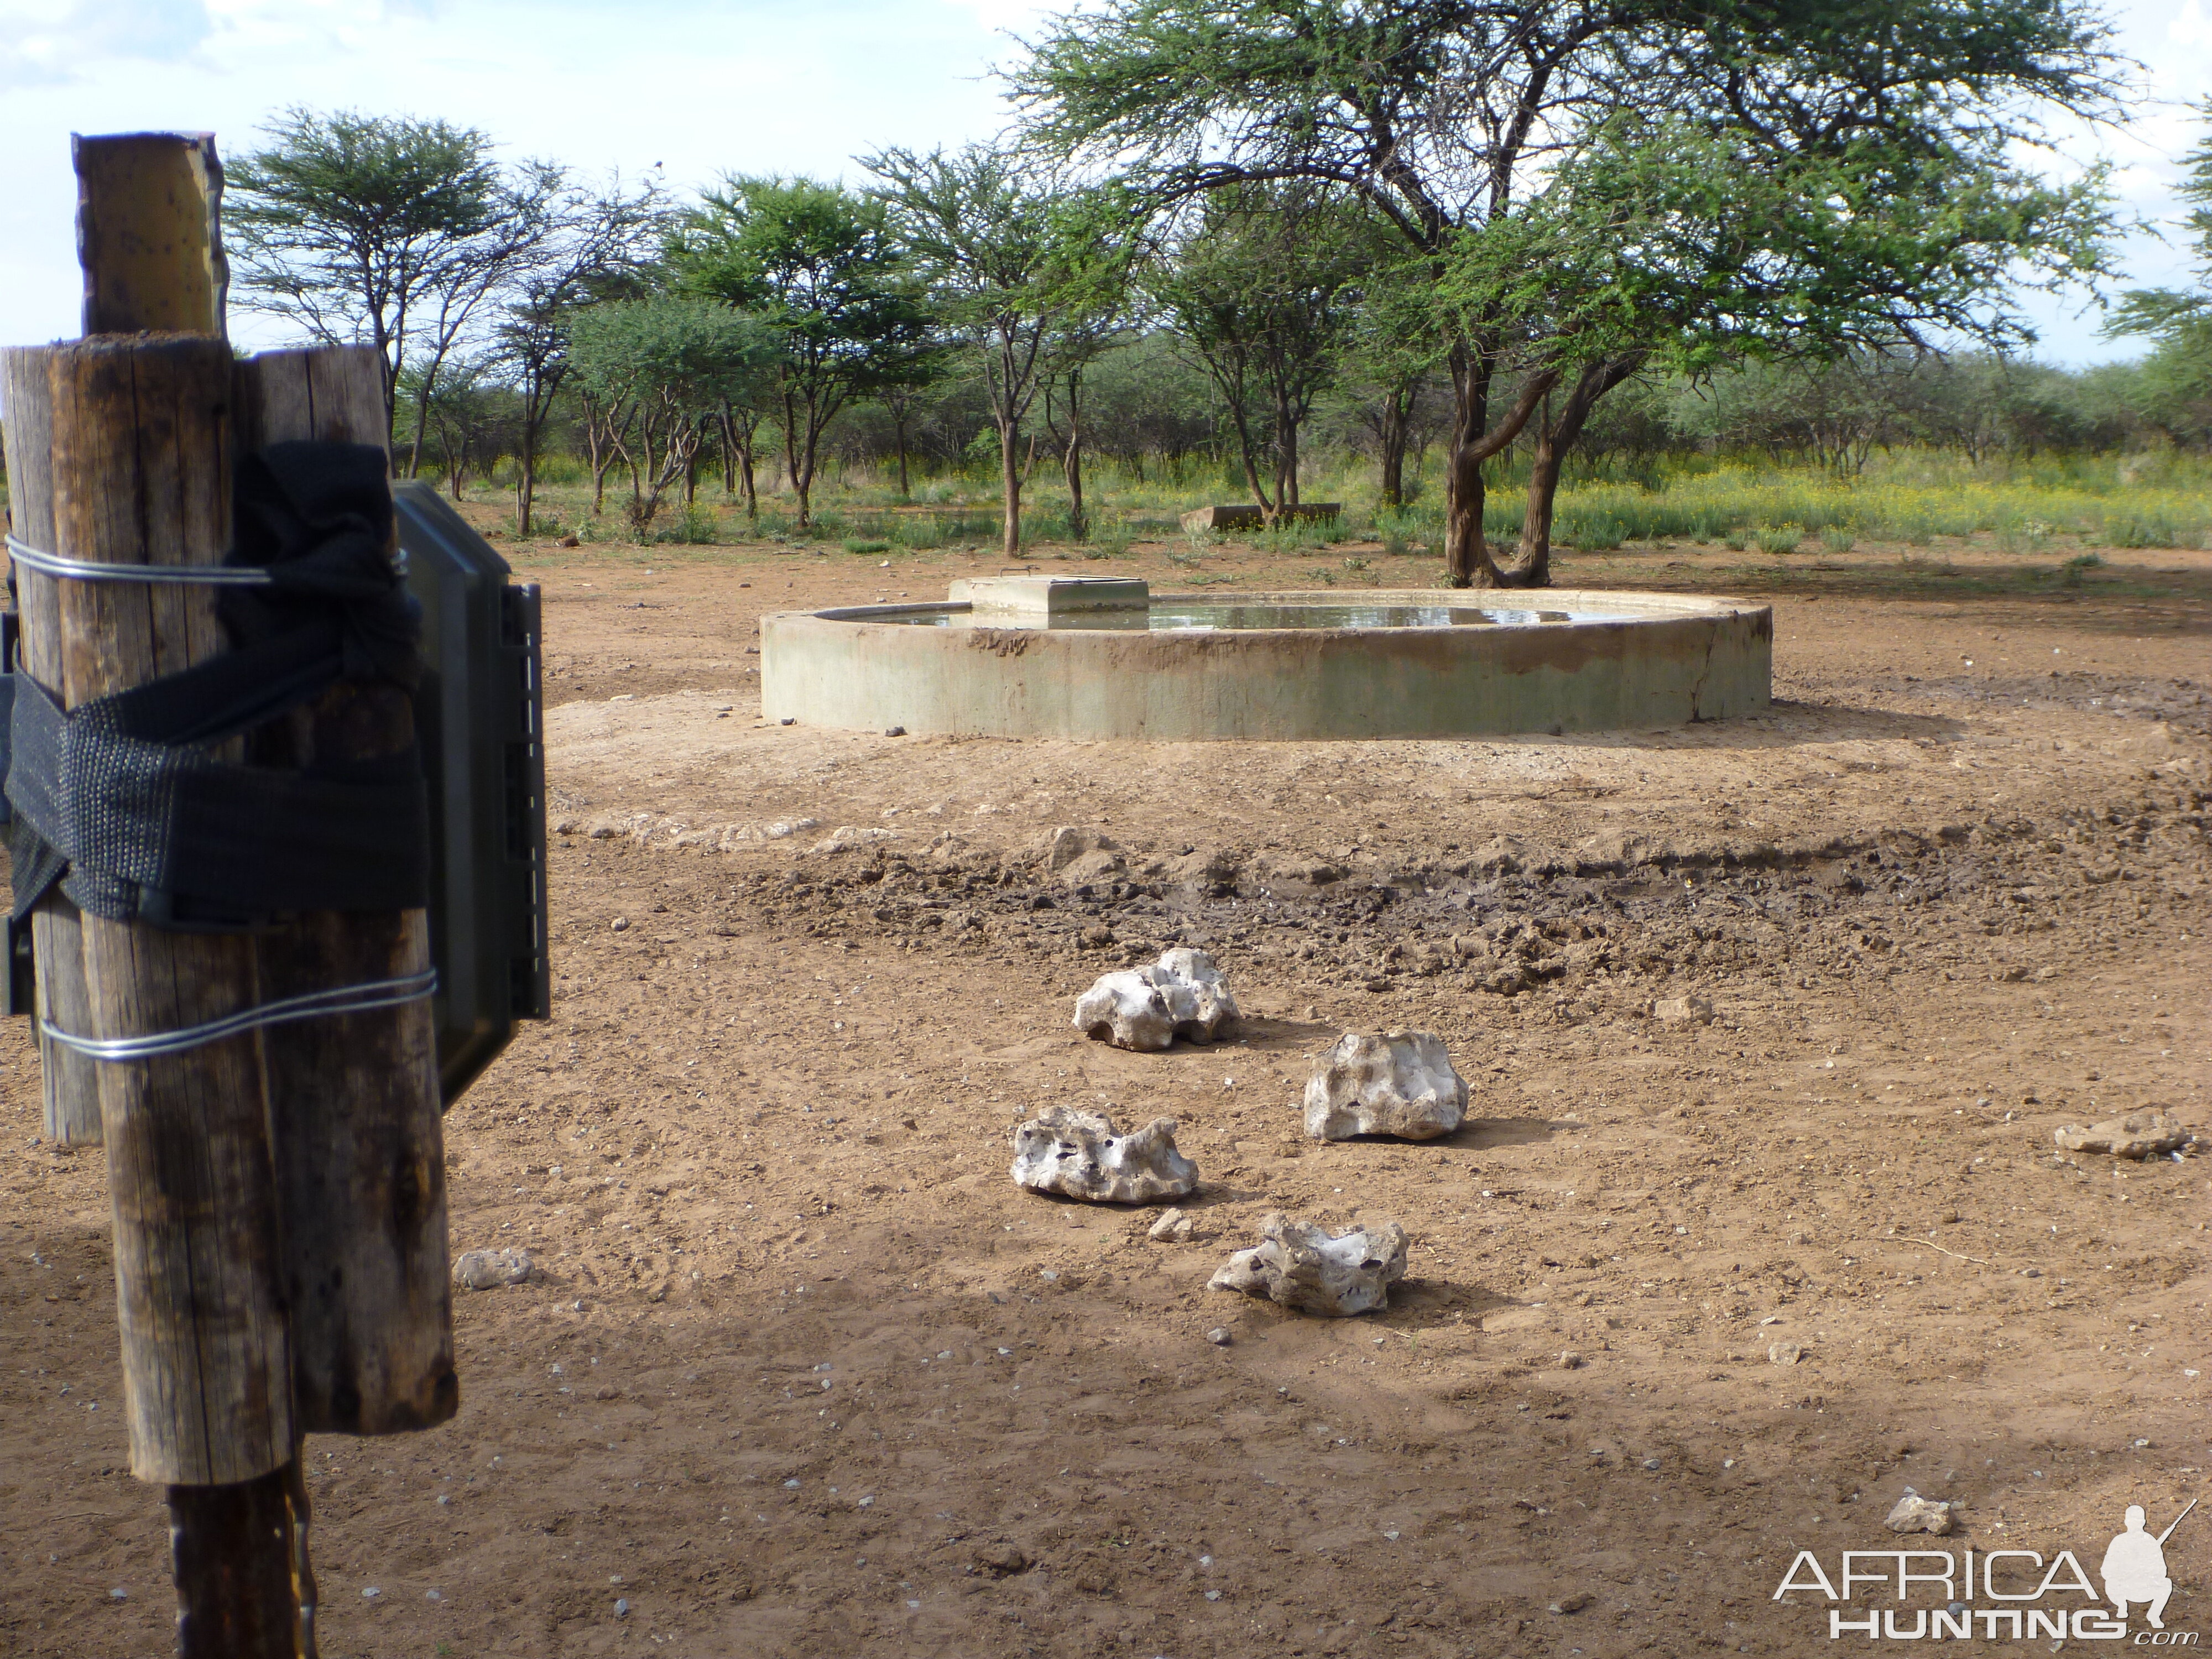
898,430
1010,478
1467,559
526,479
802,482
1071,461
1532,566
1395,413
1251,457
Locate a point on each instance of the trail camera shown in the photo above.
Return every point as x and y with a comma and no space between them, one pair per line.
479,717
479,721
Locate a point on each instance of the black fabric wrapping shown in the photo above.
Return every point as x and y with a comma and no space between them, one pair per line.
120,800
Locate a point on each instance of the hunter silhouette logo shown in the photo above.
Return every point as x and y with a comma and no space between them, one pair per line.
2135,1568
2011,1594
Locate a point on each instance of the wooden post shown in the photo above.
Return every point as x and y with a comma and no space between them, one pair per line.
149,209
359,1150
150,233
141,449
69,1083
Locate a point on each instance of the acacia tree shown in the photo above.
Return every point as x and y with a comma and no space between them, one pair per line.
384,230
1673,243
2179,321
1264,283
660,370
469,414
599,249
1008,270
1452,119
820,268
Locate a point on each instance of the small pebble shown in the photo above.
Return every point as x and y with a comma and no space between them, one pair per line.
1213,1596
622,1607
1218,1336
790,1485
1650,1463
622,924
433,1595
894,730
119,1593
370,1594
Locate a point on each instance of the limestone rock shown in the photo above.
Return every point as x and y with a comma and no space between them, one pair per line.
1692,1010
1078,1155
487,1270
1174,1227
2137,1135
1148,1008
1299,1266
1914,1513
1400,1083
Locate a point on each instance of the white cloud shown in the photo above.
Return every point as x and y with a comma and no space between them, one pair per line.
40,46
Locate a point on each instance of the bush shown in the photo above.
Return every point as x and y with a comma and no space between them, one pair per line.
1836,540
1778,539
695,528
2140,530
865,544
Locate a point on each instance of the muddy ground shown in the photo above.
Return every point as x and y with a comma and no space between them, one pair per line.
801,1373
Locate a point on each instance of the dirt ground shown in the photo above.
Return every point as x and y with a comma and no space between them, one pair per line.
802,1373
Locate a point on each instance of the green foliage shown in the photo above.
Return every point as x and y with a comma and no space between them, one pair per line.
1672,186
695,526
820,268
353,227
654,372
866,544
1263,283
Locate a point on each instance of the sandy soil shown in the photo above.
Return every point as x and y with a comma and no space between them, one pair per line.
802,1373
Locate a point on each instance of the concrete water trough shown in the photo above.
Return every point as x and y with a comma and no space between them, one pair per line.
1099,658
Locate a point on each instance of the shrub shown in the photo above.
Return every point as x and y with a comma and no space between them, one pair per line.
1778,539
866,544
695,528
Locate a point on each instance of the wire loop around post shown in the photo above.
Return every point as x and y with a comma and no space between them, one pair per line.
342,999
178,575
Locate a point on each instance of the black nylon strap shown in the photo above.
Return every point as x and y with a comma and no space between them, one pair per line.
119,801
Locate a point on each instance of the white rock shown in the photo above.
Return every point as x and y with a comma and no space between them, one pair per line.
1400,1083
847,836
1299,1266
2137,1135
1675,1010
487,1270
1148,1008
1077,1154
1174,1227
1914,1513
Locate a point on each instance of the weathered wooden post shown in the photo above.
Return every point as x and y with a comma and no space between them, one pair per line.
278,1190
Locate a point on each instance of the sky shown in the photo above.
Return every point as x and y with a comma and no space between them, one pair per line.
697,90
